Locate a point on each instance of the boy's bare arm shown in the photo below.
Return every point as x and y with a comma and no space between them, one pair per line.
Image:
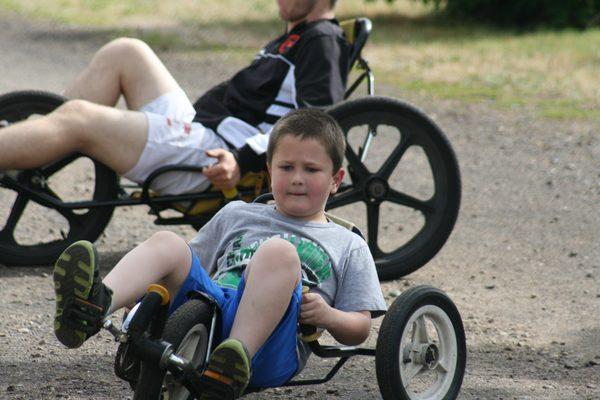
349,328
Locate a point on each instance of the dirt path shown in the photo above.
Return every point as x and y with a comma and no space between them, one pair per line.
522,264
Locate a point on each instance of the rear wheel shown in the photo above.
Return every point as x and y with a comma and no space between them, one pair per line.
32,233
187,330
421,350
403,188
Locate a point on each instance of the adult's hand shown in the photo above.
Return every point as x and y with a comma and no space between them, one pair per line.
225,173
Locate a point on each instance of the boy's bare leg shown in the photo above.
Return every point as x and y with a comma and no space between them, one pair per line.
164,258
83,300
114,137
123,66
271,277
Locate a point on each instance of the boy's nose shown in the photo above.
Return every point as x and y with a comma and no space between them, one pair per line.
297,179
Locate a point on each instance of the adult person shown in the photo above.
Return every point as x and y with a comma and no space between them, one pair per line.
227,133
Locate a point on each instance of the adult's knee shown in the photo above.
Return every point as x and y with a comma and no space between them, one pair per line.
122,51
72,119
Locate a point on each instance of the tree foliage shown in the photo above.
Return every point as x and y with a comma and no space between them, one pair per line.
524,13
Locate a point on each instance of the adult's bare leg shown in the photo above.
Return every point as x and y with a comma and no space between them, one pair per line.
123,66
113,137
271,277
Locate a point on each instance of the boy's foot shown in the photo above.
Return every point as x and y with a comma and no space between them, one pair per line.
227,373
82,300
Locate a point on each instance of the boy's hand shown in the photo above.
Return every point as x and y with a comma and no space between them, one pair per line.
347,327
314,310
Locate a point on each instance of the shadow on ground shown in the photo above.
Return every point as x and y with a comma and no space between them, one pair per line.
107,262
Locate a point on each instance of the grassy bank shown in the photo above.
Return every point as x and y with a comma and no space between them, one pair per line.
554,73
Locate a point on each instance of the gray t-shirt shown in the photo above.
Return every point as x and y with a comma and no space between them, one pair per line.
333,257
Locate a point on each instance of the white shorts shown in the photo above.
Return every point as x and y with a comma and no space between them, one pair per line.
174,139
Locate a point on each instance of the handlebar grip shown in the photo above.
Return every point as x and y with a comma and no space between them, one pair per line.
231,194
307,330
308,333
150,304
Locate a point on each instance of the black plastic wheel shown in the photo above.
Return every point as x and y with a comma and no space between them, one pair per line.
421,349
22,242
187,330
407,181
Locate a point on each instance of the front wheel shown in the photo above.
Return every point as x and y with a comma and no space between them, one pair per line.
36,232
188,331
421,349
404,182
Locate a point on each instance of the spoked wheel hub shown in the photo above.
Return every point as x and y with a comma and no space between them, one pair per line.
376,189
426,355
33,178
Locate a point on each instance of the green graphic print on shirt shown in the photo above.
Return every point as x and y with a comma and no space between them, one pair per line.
315,262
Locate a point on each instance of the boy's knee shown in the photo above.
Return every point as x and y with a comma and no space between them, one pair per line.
170,245
283,252
166,239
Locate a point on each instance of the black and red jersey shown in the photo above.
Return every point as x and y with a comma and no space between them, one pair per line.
306,67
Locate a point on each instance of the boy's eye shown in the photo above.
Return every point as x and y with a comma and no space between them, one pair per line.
312,170
286,167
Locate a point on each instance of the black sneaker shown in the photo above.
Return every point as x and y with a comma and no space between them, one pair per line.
227,373
82,300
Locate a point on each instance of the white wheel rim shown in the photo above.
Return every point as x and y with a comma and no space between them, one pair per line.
428,325
193,348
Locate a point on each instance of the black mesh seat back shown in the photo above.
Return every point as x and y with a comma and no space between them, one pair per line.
357,32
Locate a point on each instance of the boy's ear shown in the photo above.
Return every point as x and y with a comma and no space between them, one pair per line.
338,177
269,168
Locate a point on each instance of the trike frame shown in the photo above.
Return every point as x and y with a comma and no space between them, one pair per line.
404,354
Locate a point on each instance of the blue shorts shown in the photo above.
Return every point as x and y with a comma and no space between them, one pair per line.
276,361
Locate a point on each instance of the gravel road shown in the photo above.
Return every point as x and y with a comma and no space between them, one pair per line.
522,265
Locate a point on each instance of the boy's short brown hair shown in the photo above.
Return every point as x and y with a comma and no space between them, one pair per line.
311,124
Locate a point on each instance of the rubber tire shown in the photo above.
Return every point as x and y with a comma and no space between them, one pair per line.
190,314
390,336
23,104
429,240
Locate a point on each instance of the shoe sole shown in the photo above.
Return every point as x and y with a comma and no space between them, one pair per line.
230,366
73,277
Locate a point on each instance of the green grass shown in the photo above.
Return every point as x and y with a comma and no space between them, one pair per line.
411,49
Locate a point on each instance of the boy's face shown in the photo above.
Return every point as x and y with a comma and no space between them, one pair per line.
302,178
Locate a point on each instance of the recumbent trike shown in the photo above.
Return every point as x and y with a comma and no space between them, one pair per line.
420,351
398,161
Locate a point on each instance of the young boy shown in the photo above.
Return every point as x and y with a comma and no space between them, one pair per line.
257,255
